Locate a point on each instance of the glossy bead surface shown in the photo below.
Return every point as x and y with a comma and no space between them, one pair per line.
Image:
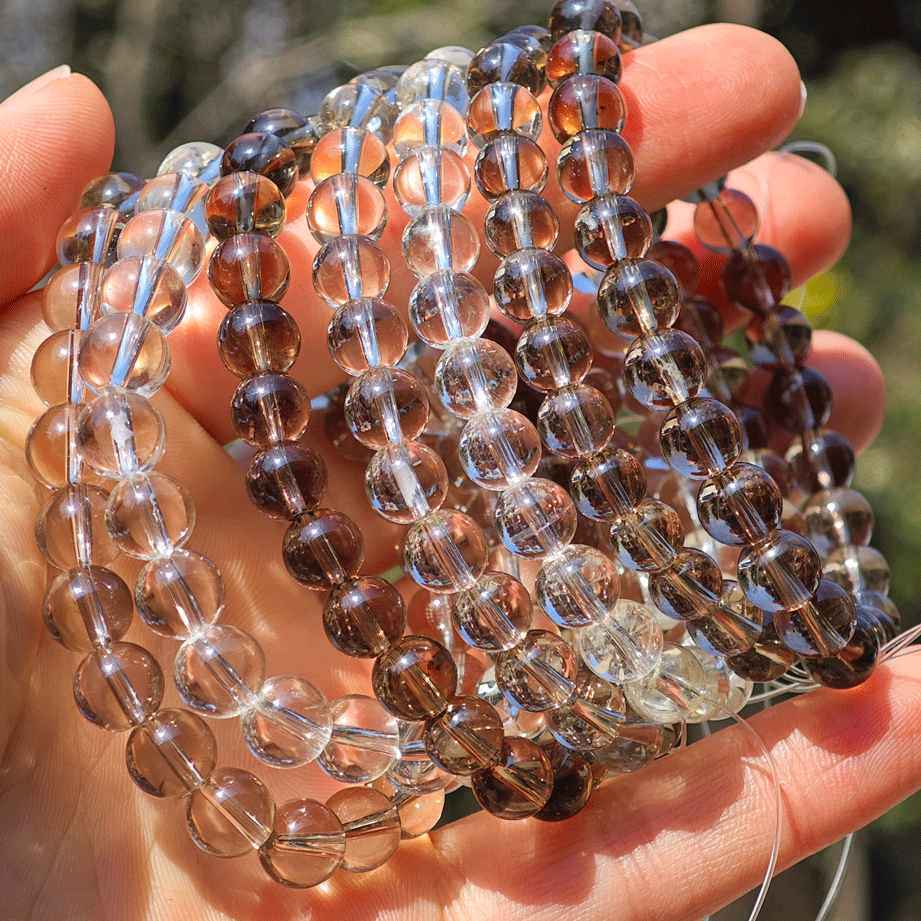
583,51
595,162
590,15
730,221
519,785
852,665
367,333
88,236
858,569
820,628
821,460
70,529
499,449
474,377
739,506
364,742
351,150
592,719
262,153
150,516
799,399
503,107
440,239
553,352
612,228
167,235
780,573
88,607
360,105
689,588
415,678
575,421
386,405
306,846
494,614
672,691
249,267
286,480
448,305
518,220
539,673
346,203
665,368
445,551
258,336
732,627
406,482
429,123
70,297
608,485
838,518
125,351
467,737
625,645
268,408
573,783
649,539
364,617
637,296
245,203
758,282
296,132
147,286
578,586
509,162
503,62
532,283
584,102
323,548
700,438
536,518
371,824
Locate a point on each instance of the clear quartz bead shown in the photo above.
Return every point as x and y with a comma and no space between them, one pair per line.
448,305
70,528
371,824
672,691
578,586
175,191
348,268
532,283
198,158
414,771
87,608
120,434
431,176
539,673
54,369
838,518
364,741
499,449
167,235
536,518
434,79
649,538
88,236
445,551
429,123
494,614
386,405
475,376
346,203
124,351
52,450
147,286
576,421
664,368
624,646
405,482
367,333
150,516
858,569
503,107
70,299
440,239
306,846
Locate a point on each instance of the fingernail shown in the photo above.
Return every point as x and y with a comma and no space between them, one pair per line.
33,86
803,94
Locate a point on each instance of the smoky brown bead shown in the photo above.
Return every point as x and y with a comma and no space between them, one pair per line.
856,662
610,229
519,220
637,295
519,785
779,573
575,421
664,368
798,400
258,336
245,203
509,162
364,617
608,485
767,660
553,352
386,405
269,408
584,102
824,460
286,480
689,588
573,783
322,549
700,438
265,154
739,506
466,738
595,162
796,330
583,52
293,130
649,539
504,62
249,267
590,15
415,679
758,279
820,628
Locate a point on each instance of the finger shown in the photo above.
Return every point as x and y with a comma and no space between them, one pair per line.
59,136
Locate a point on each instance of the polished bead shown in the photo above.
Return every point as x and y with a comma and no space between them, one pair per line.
637,296
168,235
258,336
150,516
219,671
434,79
70,297
553,352
113,190
795,330
649,538
475,376
245,203
88,236
585,102
364,741
406,481
466,738
429,123
822,626
767,660
608,485
413,772
821,460
518,220
780,573
499,449
503,62
446,551
519,785
297,133
858,569
739,506
578,586
509,162
249,267
623,646
419,814
258,152
732,627
838,518
591,15
539,673
673,691
386,406
118,687
595,162
430,176
535,519
638,743
448,305
853,664
575,421
87,608
358,105
503,107
54,369
364,617
288,722
689,588
172,754
415,678
147,286
323,548
583,51
351,150
269,408
70,528
573,783
683,265
664,369
727,222
700,438
494,614
125,351
346,203
180,595
232,814
367,333
306,846
610,229
759,281
175,192
371,824
440,239
532,283
592,719
349,268
198,158
799,399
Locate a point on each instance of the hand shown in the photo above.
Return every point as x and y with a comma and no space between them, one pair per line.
674,841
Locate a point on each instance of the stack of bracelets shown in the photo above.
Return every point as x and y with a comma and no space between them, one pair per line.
698,526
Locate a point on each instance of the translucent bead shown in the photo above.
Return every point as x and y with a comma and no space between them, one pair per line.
150,516
54,369
632,34
70,297
499,449
429,123
306,846
637,296
858,569
386,405
466,738
249,267
612,229
648,539
585,102
364,617
346,203
719,681
503,63
322,549
821,460
113,190
767,660
168,235
539,673
288,723
575,421
509,162
349,268
371,825
87,608
853,664
419,814
172,754
440,239
739,506
503,107
147,286
475,376
446,551
434,79
822,626
175,192
593,718
519,785
688,589
268,409
297,133
673,691
364,742
232,814
430,176
413,772
518,220
664,369
351,150
415,678
796,332
258,336
532,283
639,743
494,614
88,236
535,519
758,282
700,438
583,52
590,15
553,352
624,646
180,595
198,158
593,163
258,152
780,573
126,351
728,222
448,305
219,671
683,265
70,528
609,485
245,203
118,687
732,627
367,333
799,399
360,106
577,587
406,481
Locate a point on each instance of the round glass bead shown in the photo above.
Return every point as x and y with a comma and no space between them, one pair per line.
448,305
172,754
610,229
539,673
795,329
509,162
346,203
351,150
429,123
475,376
499,449
245,202
688,589
419,814
501,63
536,518
349,268
732,627
70,528
413,772
415,678
608,485
125,351
306,846
364,742
758,282
371,824
575,421
145,285
858,569
323,548
853,664
150,516
767,660
820,628
118,687
197,158
821,460
258,336
624,646
88,236
297,133
249,267
288,723
466,738
584,102
430,176
739,506
726,223
386,405
593,163
436,79
258,152
583,52
648,539
639,743
518,220
219,671
232,814
590,15
593,718
440,239
358,105
838,518
674,690
519,785
364,617
780,573
175,192
532,283
503,107
113,190
665,368
553,352
167,235
367,333
637,296
269,408
798,400
445,551
494,614
70,297
180,595
53,372
700,438
578,586
405,482
87,608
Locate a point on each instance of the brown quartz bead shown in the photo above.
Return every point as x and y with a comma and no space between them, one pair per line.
386,405
856,662
415,679
591,15
89,235
519,785
466,738
820,628
609,485
664,368
258,336
585,102
349,268
519,220
573,783
595,162
681,262
700,438
739,506
245,203
575,421
759,281
689,588
630,287
583,52
649,538
286,480
322,549
796,329
798,400
553,352
503,108
779,573
701,319
364,617
767,660
265,154
531,283
371,824
292,129
731,628
249,267
503,62
754,427
611,229
268,409
826,460
509,162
